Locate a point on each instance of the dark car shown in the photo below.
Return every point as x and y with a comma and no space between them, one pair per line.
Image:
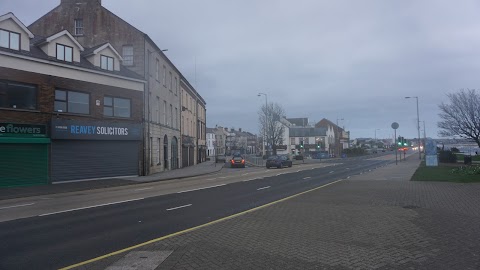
278,161
237,161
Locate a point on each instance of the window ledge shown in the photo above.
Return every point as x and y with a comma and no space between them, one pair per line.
116,117
73,114
20,110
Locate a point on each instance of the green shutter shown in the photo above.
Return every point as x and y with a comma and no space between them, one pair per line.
24,164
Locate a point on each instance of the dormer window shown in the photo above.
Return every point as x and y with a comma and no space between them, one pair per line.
106,62
79,27
10,40
64,53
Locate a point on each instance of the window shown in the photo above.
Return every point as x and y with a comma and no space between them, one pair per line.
176,118
292,141
175,85
64,53
170,82
158,109
165,113
106,62
182,125
9,40
72,102
18,96
171,115
164,76
127,55
79,27
116,107
158,70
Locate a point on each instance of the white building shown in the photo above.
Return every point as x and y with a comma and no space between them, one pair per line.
211,142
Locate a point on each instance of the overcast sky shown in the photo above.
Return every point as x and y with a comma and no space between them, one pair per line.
351,60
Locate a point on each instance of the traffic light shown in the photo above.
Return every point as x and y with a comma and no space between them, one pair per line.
400,140
405,143
318,145
301,144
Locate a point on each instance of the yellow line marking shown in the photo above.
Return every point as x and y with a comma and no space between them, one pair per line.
195,228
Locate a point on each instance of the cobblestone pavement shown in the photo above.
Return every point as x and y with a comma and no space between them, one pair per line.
353,224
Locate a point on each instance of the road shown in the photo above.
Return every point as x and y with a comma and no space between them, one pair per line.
69,231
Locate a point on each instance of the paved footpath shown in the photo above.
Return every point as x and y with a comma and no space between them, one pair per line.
378,220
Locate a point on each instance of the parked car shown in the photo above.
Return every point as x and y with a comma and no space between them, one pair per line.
237,161
298,157
278,161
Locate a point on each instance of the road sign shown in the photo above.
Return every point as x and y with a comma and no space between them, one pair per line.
395,125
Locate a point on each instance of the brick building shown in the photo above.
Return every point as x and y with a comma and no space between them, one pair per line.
67,112
90,23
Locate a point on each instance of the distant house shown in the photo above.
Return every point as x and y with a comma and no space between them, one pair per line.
341,138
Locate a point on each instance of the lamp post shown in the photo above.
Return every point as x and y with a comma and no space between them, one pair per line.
418,128
376,136
266,123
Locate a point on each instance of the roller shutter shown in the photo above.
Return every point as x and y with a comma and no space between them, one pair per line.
24,164
84,159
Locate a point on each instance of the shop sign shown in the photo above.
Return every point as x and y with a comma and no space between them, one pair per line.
95,130
22,130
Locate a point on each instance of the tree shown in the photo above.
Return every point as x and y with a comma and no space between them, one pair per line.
269,117
462,116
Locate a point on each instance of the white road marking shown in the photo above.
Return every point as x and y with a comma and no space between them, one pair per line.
298,171
245,173
210,179
279,174
348,177
308,177
263,188
222,177
140,189
347,169
331,171
178,207
201,188
18,205
88,207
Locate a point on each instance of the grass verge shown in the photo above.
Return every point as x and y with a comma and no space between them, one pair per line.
446,173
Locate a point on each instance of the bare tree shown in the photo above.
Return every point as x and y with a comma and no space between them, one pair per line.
269,117
462,116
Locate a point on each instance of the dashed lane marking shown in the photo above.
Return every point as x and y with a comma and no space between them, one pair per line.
178,207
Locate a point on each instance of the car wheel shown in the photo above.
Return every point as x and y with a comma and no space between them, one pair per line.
268,167
290,165
279,166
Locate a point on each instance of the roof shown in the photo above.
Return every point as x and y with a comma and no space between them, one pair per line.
10,15
101,47
307,132
36,52
325,122
64,33
210,130
298,121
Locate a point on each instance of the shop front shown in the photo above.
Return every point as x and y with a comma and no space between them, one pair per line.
23,155
94,149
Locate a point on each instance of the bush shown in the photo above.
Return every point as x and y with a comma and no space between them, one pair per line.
455,150
447,157
467,170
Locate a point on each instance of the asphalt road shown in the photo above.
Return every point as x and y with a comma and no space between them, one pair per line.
61,239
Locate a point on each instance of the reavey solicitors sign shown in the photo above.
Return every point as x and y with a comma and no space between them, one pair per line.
22,130
95,130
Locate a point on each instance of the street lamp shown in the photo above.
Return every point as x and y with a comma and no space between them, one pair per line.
376,135
418,128
266,123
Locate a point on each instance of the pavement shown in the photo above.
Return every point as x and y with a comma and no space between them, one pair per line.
374,220
204,168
